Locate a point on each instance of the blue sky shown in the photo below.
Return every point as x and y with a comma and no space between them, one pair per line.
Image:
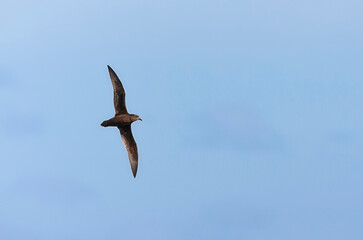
252,120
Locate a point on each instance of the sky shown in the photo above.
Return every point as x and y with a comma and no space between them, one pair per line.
252,120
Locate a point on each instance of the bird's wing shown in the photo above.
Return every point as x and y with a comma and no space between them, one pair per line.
118,93
130,145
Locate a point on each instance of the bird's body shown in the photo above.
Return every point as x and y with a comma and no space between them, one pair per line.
120,120
123,120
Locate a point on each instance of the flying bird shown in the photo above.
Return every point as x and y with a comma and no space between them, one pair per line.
122,120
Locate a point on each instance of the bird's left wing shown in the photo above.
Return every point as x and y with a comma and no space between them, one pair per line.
118,93
131,146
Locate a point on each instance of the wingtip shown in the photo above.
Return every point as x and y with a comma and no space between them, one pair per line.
134,169
111,72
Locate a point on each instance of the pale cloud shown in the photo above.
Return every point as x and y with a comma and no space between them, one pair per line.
234,127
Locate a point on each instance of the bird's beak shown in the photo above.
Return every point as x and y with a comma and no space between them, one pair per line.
140,119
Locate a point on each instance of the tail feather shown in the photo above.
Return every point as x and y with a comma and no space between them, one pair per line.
106,123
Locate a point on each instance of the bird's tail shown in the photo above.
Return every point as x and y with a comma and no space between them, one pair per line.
106,123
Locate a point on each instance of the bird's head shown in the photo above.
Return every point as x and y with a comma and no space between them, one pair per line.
135,117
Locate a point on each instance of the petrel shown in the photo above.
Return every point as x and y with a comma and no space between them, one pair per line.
122,120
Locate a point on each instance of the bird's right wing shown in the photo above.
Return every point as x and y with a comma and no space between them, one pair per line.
131,146
118,93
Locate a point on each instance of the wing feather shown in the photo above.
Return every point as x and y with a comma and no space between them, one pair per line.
118,93
131,147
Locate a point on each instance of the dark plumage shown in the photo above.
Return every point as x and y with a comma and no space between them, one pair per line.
122,120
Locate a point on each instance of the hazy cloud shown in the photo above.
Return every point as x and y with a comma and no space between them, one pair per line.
233,127
51,190
22,124
5,77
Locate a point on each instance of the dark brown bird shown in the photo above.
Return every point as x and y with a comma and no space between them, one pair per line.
122,120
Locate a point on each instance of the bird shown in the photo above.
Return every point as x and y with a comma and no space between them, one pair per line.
123,120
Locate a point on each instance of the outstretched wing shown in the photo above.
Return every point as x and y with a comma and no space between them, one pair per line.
118,93
130,145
